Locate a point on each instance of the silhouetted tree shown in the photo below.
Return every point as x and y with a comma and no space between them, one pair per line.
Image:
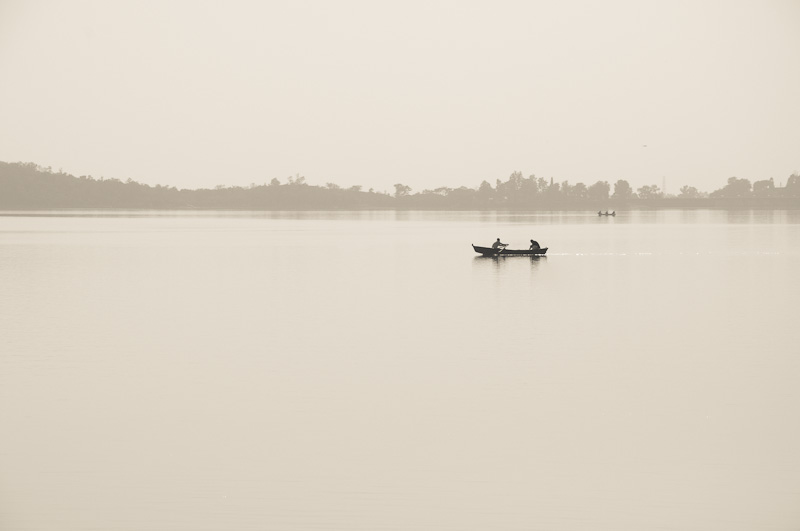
689,192
529,188
623,190
297,180
765,188
599,191
513,185
734,188
401,190
792,188
553,190
579,192
648,192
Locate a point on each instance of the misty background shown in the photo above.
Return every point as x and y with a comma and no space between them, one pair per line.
197,94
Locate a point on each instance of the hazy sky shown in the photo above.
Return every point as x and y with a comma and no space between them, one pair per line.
428,93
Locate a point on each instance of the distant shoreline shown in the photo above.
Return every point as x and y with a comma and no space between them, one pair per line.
24,211
26,186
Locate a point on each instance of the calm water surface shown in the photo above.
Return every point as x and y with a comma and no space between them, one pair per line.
367,371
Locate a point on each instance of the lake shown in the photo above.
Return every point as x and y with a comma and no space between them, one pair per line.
368,371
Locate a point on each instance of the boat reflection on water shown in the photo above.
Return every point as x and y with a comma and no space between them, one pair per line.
500,261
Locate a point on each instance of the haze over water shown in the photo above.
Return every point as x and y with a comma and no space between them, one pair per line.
367,370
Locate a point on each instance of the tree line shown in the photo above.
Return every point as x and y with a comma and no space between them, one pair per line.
29,186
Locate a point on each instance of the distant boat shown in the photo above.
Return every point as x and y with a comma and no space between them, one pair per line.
614,213
488,251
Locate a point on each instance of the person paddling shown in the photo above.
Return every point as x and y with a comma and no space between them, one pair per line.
498,245
534,245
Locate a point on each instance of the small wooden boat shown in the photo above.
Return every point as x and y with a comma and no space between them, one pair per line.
488,251
606,213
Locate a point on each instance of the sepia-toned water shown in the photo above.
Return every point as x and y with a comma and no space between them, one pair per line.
368,371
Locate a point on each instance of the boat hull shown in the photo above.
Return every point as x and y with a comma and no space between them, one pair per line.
488,251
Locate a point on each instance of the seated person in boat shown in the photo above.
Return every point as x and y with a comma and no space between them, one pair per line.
498,244
534,245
